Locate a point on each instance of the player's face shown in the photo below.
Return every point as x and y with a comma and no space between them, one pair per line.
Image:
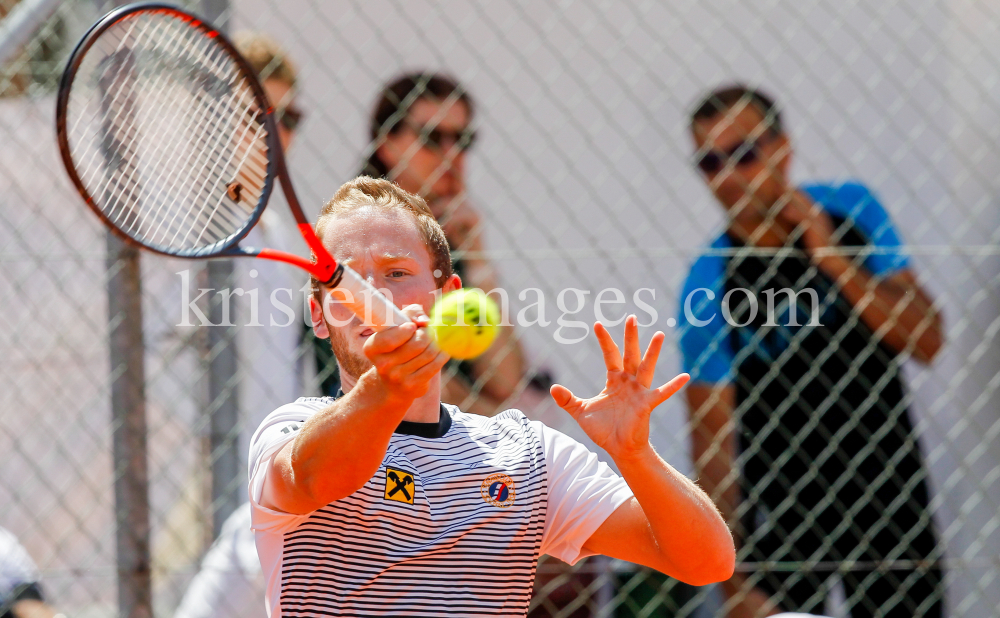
418,164
282,97
385,248
744,164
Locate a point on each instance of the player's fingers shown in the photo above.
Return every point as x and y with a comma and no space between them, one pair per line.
612,356
565,399
423,374
630,362
667,390
390,339
416,314
648,365
409,373
419,343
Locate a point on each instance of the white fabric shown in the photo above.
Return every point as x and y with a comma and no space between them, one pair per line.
583,492
230,583
574,493
16,566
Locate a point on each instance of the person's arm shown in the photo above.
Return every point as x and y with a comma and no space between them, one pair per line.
502,366
32,608
896,308
671,525
713,445
713,449
340,447
456,390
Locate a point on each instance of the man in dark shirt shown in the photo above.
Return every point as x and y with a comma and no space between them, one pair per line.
793,327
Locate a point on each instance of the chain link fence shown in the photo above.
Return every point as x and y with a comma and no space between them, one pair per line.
582,179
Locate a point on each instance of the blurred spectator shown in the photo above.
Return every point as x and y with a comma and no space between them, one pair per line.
20,587
421,128
230,583
799,416
277,75
270,354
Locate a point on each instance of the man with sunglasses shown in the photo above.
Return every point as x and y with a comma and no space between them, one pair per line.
800,425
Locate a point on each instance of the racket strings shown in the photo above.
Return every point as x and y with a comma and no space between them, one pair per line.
165,132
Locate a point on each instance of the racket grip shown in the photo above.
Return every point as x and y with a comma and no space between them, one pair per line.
370,305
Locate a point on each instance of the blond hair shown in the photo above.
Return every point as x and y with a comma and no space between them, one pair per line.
367,192
266,57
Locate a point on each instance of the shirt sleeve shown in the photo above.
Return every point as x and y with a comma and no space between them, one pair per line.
857,204
279,428
706,351
583,492
17,570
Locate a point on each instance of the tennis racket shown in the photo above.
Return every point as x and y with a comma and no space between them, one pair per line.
169,137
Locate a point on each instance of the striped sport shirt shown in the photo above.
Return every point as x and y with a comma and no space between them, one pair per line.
452,523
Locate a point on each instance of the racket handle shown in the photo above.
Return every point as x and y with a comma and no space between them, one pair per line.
366,302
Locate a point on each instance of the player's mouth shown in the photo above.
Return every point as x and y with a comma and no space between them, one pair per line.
366,333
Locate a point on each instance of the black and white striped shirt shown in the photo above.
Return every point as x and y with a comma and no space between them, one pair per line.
451,524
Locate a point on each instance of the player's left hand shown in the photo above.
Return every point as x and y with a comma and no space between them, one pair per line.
617,419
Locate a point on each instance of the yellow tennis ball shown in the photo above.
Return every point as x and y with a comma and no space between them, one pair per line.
464,323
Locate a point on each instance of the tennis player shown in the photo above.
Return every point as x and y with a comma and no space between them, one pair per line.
384,501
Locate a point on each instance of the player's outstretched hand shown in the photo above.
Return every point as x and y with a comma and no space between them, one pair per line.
617,418
405,356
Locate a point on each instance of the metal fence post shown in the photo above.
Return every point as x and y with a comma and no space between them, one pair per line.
223,395
128,410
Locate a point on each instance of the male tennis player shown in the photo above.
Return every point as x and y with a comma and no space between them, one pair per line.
385,501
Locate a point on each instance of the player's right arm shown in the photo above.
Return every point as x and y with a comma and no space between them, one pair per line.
342,446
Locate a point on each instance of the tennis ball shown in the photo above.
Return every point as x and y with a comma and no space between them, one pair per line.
464,323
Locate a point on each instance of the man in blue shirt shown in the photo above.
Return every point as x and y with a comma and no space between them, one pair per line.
793,327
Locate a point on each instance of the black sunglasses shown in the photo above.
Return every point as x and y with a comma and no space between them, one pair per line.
289,117
743,153
443,139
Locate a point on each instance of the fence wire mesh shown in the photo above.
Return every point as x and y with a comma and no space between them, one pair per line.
858,481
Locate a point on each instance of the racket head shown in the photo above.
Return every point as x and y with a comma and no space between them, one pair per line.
166,132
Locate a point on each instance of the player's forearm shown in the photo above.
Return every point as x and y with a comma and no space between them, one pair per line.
692,539
903,315
30,608
339,449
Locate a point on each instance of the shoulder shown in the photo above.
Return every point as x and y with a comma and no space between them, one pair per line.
849,199
707,268
15,564
300,409
288,418
509,426
506,420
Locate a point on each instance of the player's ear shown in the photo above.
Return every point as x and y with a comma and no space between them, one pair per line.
316,315
453,283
